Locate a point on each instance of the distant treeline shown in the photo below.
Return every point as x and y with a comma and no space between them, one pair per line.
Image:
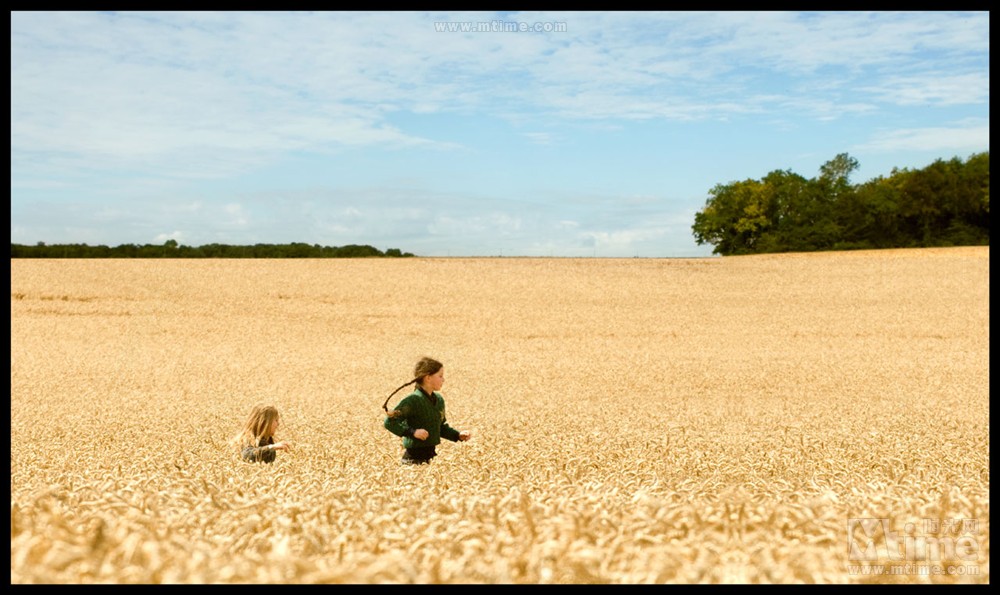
171,249
946,203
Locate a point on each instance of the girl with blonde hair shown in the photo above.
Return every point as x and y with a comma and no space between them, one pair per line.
256,440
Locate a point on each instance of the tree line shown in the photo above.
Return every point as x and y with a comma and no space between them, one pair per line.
171,249
946,203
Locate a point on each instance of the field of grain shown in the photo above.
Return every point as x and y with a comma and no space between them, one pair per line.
634,420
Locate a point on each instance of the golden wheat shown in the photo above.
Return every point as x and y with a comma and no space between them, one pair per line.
634,420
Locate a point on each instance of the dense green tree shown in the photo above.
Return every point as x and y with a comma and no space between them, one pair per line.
945,203
870,220
837,172
970,208
734,218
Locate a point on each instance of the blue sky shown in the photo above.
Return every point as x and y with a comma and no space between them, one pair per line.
600,134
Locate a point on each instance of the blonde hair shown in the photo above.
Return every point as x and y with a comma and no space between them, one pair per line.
257,426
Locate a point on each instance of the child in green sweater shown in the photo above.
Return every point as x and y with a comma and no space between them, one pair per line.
419,419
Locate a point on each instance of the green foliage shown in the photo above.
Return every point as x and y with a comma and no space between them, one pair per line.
171,249
837,171
944,204
735,218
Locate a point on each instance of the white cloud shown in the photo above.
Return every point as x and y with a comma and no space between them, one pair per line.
202,94
962,137
935,88
237,215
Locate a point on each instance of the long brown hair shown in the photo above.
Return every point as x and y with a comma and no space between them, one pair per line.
425,367
257,426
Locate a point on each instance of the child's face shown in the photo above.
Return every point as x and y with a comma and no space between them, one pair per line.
435,381
274,426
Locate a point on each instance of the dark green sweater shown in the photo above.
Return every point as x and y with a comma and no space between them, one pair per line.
420,410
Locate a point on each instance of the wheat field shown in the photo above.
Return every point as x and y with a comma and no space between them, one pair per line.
717,420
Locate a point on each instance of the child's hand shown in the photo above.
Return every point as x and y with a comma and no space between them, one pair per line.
464,435
282,445
420,434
